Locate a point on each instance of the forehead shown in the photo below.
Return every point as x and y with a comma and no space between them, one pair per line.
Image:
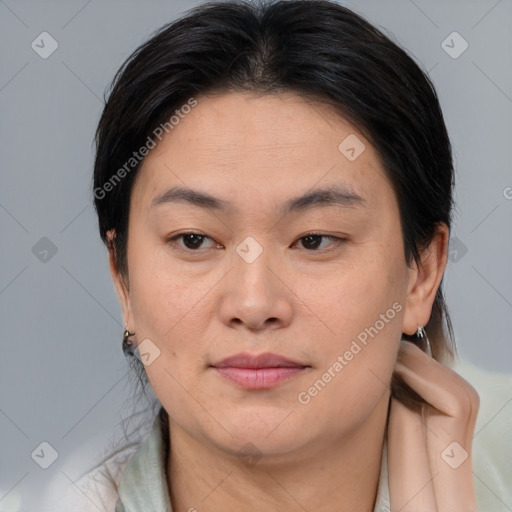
254,147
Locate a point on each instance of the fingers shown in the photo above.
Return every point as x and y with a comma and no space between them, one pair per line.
454,401
448,423
440,386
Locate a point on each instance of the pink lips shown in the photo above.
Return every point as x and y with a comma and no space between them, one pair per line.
257,372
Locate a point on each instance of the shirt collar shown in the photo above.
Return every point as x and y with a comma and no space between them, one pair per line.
143,485
144,481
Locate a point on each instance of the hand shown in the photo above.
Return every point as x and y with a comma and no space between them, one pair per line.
425,473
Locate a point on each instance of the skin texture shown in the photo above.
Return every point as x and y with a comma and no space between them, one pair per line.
305,302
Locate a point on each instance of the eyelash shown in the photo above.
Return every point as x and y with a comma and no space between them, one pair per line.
336,240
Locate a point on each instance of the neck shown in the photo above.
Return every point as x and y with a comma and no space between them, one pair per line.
342,475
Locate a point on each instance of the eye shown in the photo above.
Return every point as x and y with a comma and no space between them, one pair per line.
312,241
195,241
191,241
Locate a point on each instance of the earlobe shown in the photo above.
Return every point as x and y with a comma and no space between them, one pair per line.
424,281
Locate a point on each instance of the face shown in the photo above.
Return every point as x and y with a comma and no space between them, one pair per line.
251,233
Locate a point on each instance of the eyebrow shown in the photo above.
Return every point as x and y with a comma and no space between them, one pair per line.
333,195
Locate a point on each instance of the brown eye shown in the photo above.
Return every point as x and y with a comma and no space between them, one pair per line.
191,241
313,241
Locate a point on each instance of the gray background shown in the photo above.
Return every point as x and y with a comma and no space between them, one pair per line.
63,378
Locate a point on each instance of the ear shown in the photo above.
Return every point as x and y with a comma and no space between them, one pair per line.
119,281
424,281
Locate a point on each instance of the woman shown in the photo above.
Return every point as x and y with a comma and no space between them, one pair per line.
274,186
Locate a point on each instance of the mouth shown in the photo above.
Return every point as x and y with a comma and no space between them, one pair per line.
258,372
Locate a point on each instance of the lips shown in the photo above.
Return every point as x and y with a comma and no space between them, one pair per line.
258,372
259,361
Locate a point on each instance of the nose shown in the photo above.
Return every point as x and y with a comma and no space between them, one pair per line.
255,295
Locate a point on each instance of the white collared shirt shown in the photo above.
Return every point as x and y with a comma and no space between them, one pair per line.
143,485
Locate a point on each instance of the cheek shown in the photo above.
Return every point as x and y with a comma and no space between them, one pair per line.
354,297
355,366
163,299
362,312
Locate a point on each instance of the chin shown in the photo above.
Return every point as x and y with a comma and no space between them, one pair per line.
260,431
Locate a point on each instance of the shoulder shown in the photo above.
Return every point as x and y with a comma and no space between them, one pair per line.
492,441
93,489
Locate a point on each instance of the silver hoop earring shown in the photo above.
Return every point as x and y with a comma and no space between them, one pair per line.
127,345
421,334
